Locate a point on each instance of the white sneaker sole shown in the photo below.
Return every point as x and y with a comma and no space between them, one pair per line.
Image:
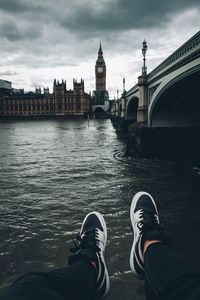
103,224
132,209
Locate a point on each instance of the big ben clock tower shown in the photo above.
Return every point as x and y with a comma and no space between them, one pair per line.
100,96
100,71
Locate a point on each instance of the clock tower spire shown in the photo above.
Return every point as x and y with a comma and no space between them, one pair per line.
100,97
100,71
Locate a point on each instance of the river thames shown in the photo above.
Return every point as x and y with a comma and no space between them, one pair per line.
52,173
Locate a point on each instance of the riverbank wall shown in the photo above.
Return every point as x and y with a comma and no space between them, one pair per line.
170,143
52,117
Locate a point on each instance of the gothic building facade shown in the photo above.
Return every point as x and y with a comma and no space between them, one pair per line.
61,103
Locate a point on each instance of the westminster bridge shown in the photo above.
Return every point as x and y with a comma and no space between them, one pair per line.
169,95
166,98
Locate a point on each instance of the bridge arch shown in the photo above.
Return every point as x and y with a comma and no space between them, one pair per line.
131,108
99,112
178,102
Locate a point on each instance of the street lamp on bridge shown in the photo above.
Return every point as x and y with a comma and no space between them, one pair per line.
144,50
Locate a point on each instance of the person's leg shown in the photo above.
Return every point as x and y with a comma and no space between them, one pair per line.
92,242
76,281
168,276
151,259
86,277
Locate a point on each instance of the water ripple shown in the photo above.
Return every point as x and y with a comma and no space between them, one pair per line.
53,173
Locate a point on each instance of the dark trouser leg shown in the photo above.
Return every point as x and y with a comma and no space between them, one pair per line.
76,282
167,277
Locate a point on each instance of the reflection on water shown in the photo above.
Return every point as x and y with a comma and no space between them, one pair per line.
52,173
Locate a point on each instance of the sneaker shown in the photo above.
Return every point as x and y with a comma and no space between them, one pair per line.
146,226
92,241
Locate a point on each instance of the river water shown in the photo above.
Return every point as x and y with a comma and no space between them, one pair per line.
52,173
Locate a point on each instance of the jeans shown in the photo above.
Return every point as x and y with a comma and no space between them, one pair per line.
166,278
74,282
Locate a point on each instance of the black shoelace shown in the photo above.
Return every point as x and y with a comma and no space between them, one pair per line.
87,241
149,222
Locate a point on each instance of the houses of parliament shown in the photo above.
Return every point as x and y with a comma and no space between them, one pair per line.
61,102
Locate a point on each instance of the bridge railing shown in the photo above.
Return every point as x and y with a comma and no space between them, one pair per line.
189,46
133,89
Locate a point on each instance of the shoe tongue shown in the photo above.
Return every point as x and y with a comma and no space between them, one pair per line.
90,230
92,222
145,204
150,220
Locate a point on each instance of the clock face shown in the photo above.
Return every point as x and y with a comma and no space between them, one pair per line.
100,70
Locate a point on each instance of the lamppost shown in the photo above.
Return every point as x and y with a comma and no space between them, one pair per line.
123,100
144,50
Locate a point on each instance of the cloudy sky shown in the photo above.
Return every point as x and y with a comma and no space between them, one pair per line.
43,40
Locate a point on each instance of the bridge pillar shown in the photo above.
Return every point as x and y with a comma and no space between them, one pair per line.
123,105
142,111
117,108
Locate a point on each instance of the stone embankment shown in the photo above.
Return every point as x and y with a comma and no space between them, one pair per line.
171,143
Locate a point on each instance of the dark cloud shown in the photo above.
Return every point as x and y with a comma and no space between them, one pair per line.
87,18
13,32
20,6
44,34
13,29
10,31
120,15
13,6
